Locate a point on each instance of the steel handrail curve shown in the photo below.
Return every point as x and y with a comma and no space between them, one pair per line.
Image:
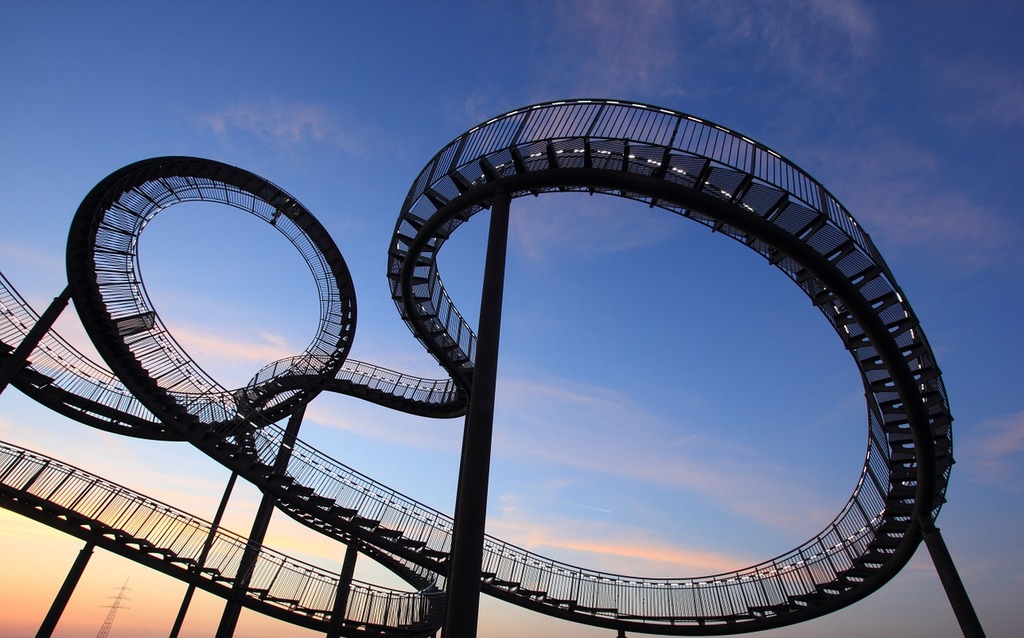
301,590
138,193
60,365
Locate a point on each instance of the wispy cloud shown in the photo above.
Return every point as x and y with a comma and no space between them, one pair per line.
209,345
993,451
613,48
900,195
599,431
366,421
16,251
814,41
587,225
283,123
607,546
992,93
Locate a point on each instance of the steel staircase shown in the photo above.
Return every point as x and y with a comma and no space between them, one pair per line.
171,541
685,165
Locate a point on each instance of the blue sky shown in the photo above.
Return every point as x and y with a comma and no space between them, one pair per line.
668,404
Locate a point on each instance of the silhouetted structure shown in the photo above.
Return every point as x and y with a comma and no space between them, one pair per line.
115,607
682,164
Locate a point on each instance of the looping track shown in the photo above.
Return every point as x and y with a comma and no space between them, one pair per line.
665,159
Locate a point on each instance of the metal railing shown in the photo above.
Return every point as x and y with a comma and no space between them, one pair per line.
156,528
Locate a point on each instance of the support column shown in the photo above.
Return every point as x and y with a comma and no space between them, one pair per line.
64,595
17,359
348,570
201,560
955,591
463,601
229,619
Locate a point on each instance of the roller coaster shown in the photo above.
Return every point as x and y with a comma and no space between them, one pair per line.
150,387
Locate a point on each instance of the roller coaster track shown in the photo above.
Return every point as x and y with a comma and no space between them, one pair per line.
175,543
682,164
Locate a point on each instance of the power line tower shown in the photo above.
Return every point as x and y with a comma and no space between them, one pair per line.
116,606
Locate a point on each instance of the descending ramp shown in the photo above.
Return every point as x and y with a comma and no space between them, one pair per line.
682,164
171,541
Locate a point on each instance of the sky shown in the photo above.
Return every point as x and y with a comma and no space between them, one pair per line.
668,404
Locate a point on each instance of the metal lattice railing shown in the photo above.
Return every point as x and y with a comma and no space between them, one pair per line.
179,538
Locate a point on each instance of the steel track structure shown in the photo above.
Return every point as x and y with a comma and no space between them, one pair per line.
180,545
662,158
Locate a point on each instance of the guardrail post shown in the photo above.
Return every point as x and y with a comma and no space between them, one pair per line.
348,569
463,604
64,595
17,359
201,560
955,591
229,619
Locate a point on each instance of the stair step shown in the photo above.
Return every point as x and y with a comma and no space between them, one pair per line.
411,543
434,553
597,610
161,552
300,490
504,584
344,512
390,534
323,502
561,602
367,523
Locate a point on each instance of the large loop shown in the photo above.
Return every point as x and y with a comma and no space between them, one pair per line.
103,271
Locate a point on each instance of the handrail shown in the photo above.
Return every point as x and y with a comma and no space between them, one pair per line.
299,591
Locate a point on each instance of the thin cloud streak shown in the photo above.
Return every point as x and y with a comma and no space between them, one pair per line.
812,41
610,444
993,94
203,344
612,547
905,202
610,56
432,436
995,450
588,225
281,123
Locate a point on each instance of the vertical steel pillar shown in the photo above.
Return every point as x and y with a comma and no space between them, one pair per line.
64,595
229,619
348,569
463,606
17,359
201,560
955,591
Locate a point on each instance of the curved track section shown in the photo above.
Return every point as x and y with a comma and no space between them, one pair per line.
107,287
66,381
662,158
173,542
744,190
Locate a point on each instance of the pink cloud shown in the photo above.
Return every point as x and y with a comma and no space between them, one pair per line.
607,546
583,428
992,451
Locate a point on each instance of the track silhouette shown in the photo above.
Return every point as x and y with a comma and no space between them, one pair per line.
682,164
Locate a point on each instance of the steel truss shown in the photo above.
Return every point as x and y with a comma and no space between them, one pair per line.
685,165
